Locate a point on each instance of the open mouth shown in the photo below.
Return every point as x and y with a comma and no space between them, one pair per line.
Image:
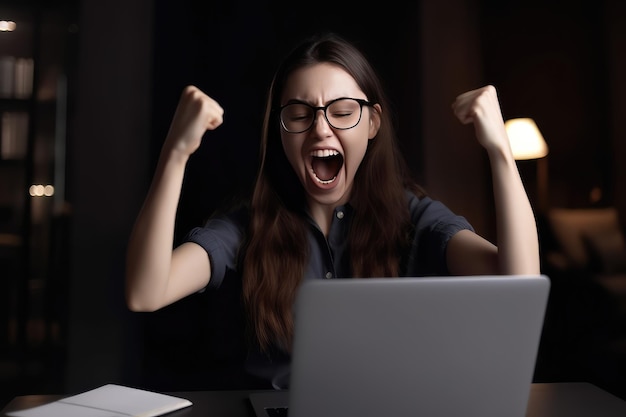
325,165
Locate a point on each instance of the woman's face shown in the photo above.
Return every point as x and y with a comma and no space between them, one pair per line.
324,158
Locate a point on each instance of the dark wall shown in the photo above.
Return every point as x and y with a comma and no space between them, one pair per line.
553,61
108,175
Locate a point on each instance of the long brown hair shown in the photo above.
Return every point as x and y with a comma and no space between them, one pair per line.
276,253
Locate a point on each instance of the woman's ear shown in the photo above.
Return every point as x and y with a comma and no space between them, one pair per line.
375,112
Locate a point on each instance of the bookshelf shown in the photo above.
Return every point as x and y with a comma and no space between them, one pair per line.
36,41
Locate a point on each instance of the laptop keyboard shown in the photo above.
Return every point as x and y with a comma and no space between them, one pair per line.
277,412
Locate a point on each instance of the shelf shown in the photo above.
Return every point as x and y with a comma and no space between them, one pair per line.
12,162
14,104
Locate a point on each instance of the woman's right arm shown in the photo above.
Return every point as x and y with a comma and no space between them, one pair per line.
156,275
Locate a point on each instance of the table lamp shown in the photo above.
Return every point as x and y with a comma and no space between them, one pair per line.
527,142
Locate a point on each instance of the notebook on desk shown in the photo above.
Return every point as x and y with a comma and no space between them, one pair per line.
437,346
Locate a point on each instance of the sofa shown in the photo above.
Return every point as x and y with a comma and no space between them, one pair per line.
584,254
589,243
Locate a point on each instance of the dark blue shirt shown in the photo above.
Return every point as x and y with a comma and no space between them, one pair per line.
434,225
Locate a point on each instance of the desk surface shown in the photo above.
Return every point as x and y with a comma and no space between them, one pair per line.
546,400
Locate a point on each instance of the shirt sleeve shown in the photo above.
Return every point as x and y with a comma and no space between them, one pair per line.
434,224
221,237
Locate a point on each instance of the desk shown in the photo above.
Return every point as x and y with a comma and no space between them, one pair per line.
546,400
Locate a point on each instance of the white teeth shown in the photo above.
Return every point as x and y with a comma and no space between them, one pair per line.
322,153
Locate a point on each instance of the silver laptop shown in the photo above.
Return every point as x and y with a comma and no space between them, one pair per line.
436,346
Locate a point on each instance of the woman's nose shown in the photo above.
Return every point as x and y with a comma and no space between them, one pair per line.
320,123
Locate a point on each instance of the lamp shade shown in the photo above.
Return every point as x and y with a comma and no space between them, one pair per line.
525,138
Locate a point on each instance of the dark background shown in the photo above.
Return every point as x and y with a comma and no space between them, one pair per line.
560,63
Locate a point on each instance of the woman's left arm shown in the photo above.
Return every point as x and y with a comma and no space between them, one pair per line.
517,249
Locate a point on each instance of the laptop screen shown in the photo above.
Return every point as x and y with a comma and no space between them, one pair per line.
416,346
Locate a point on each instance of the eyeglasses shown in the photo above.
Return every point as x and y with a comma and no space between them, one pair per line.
342,113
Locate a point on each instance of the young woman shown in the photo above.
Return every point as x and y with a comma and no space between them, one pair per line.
332,199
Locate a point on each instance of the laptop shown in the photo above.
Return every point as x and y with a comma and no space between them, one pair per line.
432,346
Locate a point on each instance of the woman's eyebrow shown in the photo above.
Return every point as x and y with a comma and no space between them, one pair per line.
300,101
296,101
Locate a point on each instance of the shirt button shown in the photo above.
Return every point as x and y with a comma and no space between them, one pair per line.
329,275
340,215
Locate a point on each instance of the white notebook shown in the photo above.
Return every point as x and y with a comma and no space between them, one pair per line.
108,401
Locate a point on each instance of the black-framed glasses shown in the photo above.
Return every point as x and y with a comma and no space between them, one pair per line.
342,113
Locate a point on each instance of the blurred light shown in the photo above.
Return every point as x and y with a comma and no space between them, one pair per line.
525,138
38,190
35,191
7,26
